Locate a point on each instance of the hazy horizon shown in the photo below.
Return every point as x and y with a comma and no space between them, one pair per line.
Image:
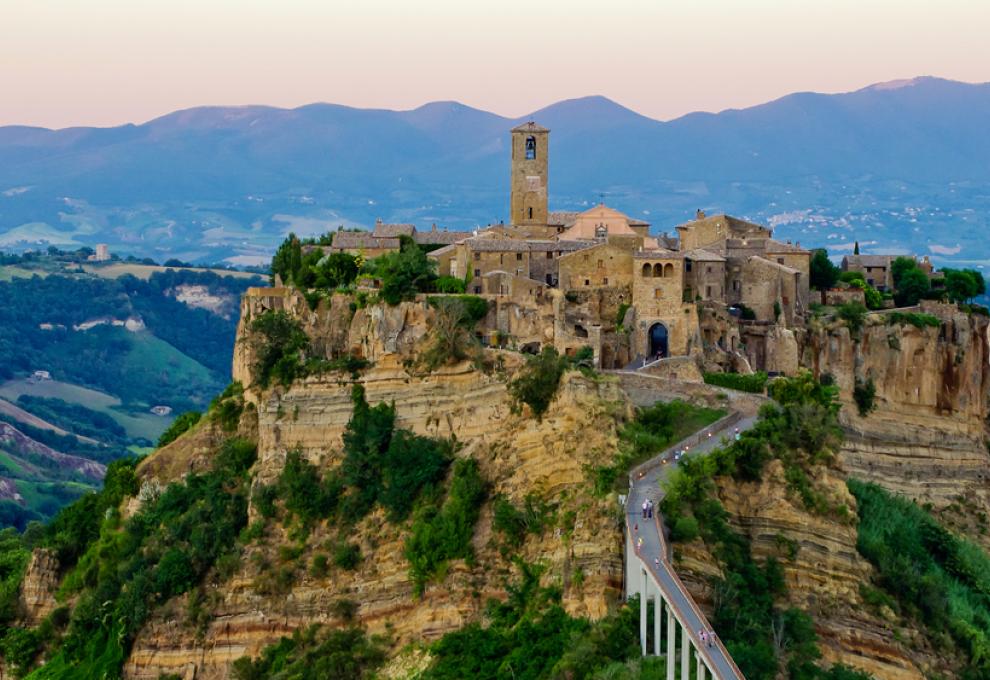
111,62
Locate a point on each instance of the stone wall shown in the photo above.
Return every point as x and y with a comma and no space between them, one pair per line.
604,264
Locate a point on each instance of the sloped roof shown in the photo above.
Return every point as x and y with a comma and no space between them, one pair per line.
497,245
543,246
530,126
584,226
440,236
561,218
442,251
702,255
384,229
868,260
771,263
356,239
774,246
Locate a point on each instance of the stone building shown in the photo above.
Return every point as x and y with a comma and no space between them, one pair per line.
875,269
605,263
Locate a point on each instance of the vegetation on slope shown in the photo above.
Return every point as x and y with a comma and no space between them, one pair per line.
800,429
654,429
937,579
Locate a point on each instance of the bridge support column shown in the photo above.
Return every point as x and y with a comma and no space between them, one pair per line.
643,595
671,643
700,668
685,653
657,617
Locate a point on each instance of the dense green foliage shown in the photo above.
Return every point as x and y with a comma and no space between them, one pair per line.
96,357
938,579
404,273
962,285
800,429
916,319
14,556
313,654
864,394
910,281
753,382
853,314
450,285
654,429
74,418
824,275
475,307
443,532
529,635
537,383
276,340
133,565
179,426
515,523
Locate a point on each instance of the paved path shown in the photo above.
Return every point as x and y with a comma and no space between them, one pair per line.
646,484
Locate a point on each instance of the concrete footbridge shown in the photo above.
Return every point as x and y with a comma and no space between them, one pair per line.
650,574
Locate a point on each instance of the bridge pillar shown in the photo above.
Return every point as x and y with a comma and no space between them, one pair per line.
671,645
657,616
685,653
700,668
644,594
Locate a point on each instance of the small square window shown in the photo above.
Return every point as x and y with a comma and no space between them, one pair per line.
780,260
477,272
605,281
518,256
549,254
587,282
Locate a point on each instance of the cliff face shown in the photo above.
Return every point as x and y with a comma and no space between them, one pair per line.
926,438
517,455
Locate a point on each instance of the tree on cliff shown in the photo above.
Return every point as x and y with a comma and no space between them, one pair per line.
824,274
962,285
403,274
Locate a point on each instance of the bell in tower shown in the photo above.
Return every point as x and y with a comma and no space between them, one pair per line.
528,201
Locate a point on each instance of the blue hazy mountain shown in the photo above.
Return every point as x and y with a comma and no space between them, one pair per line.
903,164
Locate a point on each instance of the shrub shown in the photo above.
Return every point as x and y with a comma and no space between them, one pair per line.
179,426
346,555
685,529
864,394
916,319
403,274
753,382
537,383
346,653
620,316
450,284
451,332
854,315
475,308
515,523
276,340
442,533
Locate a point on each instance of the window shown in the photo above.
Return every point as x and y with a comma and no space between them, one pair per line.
735,286
530,213
605,281
477,256
549,254
601,264
668,269
477,272
780,260
687,265
530,149
477,290
587,282
518,256
501,258
708,291
708,270
658,270
647,270
658,293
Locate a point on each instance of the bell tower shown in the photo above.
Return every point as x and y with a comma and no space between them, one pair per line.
530,147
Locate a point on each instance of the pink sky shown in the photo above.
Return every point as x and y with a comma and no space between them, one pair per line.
107,62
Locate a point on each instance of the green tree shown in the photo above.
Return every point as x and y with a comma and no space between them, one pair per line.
404,274
913,286
962,285
287,259
899,266
537,383
856,248
276,340
824,274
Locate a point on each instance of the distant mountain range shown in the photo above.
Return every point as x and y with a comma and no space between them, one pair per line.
901,166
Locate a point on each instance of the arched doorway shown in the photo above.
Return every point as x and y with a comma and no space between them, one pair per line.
658,341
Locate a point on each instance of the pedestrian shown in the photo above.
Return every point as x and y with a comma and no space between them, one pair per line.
656,562
704,636
649,509
636,527
711,638
645,507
